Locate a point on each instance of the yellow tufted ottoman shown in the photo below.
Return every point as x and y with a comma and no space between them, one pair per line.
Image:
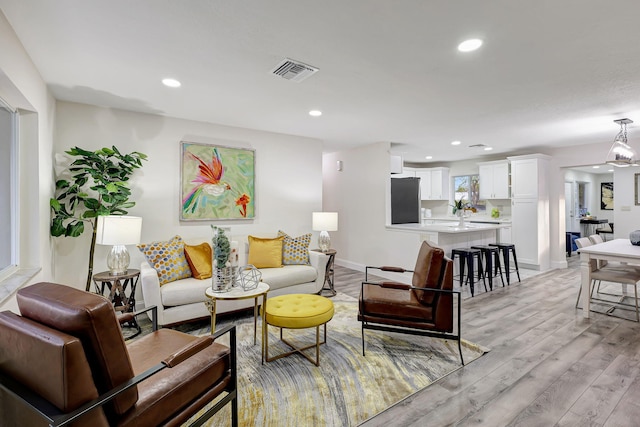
296,311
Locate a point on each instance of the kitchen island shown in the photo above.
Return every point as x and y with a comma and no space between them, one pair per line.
449,236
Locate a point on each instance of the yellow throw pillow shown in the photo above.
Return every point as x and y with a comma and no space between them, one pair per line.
265,252
199,259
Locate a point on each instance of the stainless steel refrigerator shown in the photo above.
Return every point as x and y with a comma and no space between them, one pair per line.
405,200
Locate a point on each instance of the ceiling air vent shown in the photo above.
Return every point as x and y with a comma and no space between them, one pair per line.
293,70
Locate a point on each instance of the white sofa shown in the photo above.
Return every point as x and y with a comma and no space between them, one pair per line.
183,300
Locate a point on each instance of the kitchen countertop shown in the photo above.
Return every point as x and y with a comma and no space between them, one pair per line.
447,228
472,219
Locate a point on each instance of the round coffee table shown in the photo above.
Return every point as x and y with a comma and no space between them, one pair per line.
237,293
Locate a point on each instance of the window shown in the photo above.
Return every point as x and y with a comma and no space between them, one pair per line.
7,186
468,187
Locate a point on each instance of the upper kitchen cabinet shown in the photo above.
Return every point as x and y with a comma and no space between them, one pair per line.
434,183
528,175
494,180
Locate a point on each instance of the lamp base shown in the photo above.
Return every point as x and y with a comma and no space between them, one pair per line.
324,241
118,260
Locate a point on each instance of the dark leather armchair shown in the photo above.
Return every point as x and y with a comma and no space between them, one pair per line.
63,361
423,308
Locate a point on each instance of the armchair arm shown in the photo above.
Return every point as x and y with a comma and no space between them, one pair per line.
384,268
55,418
128,317
151,291
319,262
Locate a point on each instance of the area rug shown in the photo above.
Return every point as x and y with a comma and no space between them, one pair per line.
346,388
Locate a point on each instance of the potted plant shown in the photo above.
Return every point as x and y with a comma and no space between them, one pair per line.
97,186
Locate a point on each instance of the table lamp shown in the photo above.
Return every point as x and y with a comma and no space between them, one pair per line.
118,230
324,222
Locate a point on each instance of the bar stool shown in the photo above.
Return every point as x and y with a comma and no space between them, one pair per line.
491,262
507,249
466,256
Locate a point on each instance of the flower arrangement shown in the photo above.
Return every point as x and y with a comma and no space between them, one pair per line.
461,205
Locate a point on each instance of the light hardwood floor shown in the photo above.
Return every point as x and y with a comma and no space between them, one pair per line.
547,365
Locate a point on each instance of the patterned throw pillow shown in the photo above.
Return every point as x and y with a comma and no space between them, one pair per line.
295,250
168,259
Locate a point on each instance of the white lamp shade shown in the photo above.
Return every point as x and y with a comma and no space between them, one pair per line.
325,221
118,230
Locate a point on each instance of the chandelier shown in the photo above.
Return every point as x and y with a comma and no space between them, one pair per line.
621,154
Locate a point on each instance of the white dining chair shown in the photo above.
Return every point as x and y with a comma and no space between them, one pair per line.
614,275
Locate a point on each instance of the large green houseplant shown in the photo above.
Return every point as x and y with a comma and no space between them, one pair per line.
97,186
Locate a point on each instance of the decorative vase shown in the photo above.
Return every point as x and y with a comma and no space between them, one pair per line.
224,278
224,275
461,218
634,237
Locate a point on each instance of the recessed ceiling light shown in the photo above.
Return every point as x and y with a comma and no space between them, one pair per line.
596,167
488,148
469,45
315,113
428,157
456,142
610,170
171,82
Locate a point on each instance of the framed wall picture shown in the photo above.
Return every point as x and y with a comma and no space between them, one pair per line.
606,196
216,182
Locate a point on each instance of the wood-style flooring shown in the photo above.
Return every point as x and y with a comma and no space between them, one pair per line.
547,365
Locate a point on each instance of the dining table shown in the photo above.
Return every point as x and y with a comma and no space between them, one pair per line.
619,250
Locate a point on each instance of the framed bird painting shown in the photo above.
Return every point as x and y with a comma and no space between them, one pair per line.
217,182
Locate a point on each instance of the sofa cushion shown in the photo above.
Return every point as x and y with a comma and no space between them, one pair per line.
185,291
288,275
265,252
199,259
295,250
168,259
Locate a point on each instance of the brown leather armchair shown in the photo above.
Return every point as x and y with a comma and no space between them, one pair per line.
423,308
63,361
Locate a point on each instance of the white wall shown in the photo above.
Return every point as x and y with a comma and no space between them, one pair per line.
359,194
23,88
288,178
627,214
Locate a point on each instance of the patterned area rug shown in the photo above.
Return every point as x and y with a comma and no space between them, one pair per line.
346,388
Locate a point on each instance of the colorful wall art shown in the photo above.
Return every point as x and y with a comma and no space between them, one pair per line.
217,182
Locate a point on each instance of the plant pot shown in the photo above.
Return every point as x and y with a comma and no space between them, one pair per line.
224,279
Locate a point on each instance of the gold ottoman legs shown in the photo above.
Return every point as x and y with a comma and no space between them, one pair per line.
297,311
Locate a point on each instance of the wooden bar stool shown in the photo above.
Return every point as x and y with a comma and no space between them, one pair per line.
467,256
507,250
491,262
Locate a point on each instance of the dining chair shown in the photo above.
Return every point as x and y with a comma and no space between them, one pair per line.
614,275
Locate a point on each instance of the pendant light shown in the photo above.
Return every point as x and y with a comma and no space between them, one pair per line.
621,154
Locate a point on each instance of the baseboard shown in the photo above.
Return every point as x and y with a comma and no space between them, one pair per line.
559,264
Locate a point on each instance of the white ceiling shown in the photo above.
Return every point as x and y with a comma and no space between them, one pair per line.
550,72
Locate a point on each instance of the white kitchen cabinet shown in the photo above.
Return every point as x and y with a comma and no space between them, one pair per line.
525,177
434,183
494,180
406,173
505,235
530,209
